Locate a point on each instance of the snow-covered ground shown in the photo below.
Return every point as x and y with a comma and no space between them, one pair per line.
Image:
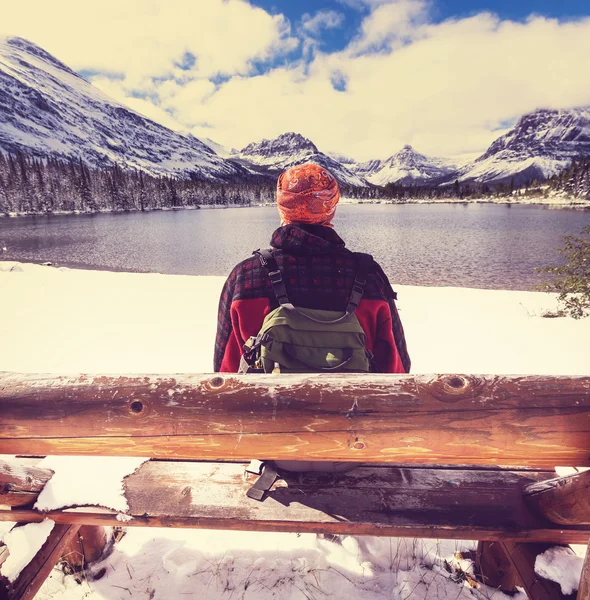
64,320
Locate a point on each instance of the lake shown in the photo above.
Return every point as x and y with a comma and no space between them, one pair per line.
465,245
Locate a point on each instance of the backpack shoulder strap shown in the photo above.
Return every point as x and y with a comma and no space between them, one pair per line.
385,280
268,261
364,265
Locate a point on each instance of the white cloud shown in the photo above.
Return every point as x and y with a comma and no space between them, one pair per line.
323,19
394,22
446,88
140,38
311,28
445,92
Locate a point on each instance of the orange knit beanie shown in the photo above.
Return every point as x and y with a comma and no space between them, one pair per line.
307,193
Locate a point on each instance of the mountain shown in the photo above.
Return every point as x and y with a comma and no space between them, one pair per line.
540,145
48,110
406,167
219,149
290,149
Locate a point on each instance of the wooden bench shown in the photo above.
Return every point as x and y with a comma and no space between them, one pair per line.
450,456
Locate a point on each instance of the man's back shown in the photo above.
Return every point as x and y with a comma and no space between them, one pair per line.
319,273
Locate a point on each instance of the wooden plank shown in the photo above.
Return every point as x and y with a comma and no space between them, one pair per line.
35,573
3,553
20,484
87,546
494,567
563,500
523,558
529,421
584,587
384,501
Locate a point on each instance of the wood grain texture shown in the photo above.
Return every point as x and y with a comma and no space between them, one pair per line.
31,578
584,587
3,553
494,567
87,546
20,483
385,501
455,419
563,500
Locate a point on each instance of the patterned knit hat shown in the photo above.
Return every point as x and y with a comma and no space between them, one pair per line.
307,193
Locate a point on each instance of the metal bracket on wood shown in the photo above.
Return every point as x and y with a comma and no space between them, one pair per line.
263,484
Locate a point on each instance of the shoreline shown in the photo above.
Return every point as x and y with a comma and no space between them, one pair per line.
554,203
113,211
72,266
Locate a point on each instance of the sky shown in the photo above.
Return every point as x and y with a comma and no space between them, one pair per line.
358,77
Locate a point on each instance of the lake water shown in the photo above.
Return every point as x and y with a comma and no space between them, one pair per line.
473,245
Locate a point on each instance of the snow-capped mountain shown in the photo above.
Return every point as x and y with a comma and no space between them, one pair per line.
46,109
405,167
541,144
219,149
291,149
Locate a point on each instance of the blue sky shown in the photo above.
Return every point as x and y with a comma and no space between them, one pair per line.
338,38
358,77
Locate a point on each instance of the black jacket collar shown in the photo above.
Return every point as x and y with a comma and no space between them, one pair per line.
301,238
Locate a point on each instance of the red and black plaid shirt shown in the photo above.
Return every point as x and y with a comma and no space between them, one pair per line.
319,273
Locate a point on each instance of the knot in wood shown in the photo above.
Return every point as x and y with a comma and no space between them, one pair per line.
452,388
136,407
216,382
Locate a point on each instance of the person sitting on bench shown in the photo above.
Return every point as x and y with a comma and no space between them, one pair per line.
315,271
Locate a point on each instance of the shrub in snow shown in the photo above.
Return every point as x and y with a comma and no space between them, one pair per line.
571,280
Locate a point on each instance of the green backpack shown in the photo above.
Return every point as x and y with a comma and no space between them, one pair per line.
303,340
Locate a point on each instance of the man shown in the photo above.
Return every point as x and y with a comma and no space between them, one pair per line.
318,271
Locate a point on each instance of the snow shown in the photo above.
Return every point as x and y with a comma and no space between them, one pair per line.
98,481
408,165
66,320
542,144
561,565
23,543
5,527
219,149
290,149
70,321
159,563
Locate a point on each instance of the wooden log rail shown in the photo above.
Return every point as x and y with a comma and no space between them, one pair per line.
532,421
408,501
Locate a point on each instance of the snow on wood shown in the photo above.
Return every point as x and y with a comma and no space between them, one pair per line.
20,480
86,481
5,527
561,565
23,544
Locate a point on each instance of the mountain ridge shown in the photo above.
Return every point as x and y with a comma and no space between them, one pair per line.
290,149
542,143
48,110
